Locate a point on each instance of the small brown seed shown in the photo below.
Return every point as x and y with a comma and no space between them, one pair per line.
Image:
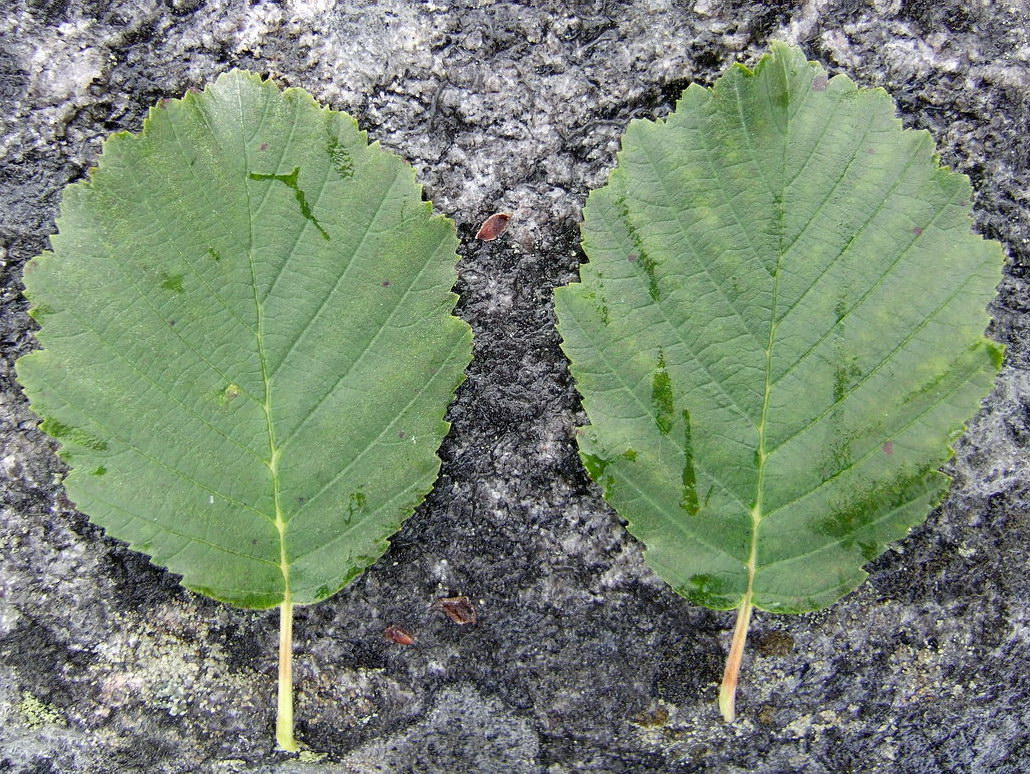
398,635
458,609
493,227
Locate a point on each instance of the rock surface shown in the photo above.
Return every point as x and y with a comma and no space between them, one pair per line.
582,659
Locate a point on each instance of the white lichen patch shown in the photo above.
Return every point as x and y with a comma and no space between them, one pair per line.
155,662
61,63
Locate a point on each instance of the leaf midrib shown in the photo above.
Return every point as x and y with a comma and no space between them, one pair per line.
259,334
756,511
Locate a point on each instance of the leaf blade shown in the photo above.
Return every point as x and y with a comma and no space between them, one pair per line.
751,253
276,286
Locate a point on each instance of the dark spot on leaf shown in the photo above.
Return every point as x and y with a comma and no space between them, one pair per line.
290,181
632,257
917,230
63,432
360,563
706,590
37,313
869,550
401,434
172,282
386,283
870,150
661,397
840,456
230,393
339,157
996,353
819,82
264,147
844,376
642,258
354,505
652,277
888,447
689,503
597,467
840,309
856,510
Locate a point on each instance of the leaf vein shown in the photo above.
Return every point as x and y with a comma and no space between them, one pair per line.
459,341
872,372
972,370
339,280
365,348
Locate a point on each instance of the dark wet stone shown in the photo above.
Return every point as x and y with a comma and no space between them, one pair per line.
516,108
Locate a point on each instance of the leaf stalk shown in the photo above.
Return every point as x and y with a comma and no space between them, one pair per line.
728,691
284,720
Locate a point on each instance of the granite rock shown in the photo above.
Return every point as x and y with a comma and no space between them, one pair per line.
582,660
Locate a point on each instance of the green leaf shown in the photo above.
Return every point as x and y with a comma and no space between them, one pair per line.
248,345
778,334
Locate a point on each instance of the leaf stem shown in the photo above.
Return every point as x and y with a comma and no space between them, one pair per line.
284,721
728,691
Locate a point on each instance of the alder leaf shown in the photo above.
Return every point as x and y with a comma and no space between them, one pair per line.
248,345
777,336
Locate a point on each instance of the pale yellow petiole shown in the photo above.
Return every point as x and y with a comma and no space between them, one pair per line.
284,720
728,691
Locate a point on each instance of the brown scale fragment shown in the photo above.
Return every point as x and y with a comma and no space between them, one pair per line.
398,635
458,609
493,227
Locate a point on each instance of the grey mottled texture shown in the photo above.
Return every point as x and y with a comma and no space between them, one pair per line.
582,660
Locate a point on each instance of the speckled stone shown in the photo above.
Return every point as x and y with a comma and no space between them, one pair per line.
581,660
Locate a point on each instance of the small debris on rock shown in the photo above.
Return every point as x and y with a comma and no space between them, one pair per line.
493,227
774,643
458,609
655,716
398,635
